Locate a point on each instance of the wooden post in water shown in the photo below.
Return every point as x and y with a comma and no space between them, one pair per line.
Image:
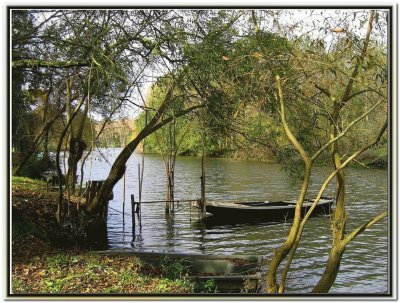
133,215
140,176
172,189
190,211
123,200
203,188
173,155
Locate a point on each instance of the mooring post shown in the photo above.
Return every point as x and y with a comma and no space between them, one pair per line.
203,189
172,189
123,201
133,214
190,211
139,211
168,201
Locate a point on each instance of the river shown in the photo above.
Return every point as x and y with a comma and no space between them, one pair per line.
364,268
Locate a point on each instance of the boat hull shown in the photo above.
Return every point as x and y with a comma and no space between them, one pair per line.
270,212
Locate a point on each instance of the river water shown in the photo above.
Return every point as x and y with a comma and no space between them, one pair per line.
364,268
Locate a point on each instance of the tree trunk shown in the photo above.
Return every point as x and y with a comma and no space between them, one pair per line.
116,173
281,252
76,148
119,165
59,213
332,269
46,132
76,144
339,216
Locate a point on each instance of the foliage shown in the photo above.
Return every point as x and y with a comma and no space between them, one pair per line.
24,183
174,268
208,286
21,118
36,167
22,228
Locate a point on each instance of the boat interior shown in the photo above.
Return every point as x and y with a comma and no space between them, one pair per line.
267,203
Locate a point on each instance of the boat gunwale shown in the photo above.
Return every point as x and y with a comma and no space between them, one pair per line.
242,205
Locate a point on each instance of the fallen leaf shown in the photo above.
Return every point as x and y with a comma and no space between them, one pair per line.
338,30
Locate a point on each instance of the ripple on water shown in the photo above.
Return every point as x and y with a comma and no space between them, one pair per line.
365,263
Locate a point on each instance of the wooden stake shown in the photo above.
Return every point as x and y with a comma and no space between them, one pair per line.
123,201
133,215
140,193
203,187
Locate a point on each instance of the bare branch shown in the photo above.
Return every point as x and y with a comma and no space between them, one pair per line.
28,63
344,131
349,86
288,132
363,227
323,90
365,91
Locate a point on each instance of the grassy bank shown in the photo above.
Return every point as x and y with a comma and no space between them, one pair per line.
46,261
69,272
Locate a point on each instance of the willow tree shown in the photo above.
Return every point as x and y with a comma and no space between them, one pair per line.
339,85
324,89
170,38
340,240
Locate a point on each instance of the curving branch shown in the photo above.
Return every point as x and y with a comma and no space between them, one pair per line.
333,140
281,253
365,91
363,227
288,132
31,63
177,115
360,60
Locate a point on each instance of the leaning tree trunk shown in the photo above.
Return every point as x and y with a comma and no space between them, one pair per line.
340,239
116,173
119,166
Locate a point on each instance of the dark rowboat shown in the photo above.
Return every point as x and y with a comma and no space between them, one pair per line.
265,211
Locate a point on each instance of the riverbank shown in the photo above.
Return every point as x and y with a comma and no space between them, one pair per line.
46,259
373,158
